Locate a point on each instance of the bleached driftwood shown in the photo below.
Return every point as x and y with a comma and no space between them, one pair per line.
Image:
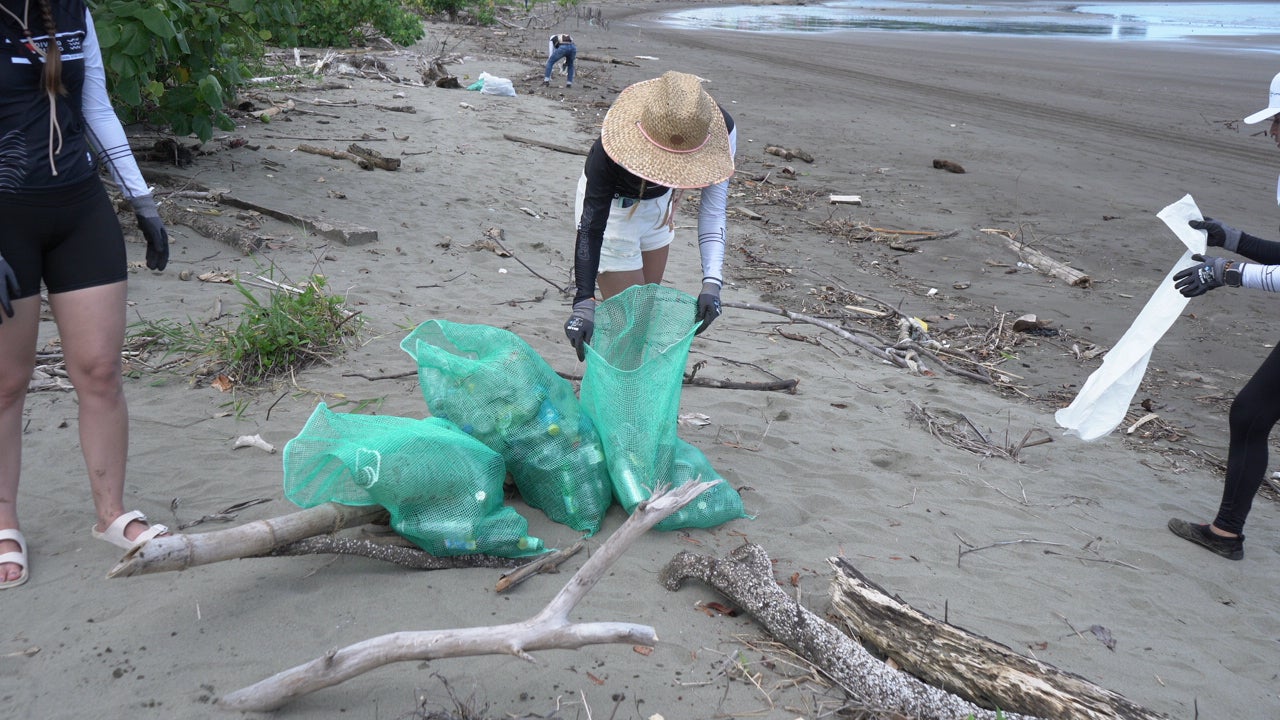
1044,263
243,240
984,671
745,577
185,550
550,628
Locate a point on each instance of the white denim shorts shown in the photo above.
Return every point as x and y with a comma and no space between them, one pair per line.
628,233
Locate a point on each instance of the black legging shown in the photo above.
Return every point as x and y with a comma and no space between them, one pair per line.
1255,411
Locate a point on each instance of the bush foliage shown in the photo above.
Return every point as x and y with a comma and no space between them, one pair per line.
178,63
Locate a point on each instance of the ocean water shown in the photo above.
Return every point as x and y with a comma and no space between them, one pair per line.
1109,21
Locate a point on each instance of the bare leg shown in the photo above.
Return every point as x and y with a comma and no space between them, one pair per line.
91,323
655,264
17,360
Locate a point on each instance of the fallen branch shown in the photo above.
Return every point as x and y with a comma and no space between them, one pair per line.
745,577
984,671
1042,262
336,155
545,563
181,551
395,550
548,629
544,144
242,240
373,157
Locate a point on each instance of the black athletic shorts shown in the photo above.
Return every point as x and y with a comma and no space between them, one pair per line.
68,237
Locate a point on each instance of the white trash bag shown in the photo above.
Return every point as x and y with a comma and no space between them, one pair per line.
494,85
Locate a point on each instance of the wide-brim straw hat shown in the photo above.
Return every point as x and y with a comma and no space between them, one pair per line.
669,131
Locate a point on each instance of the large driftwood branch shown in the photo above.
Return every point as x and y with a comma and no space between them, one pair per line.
550,628
984,671
185,550
745,577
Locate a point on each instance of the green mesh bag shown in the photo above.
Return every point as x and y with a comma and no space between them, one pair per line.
495,387
631,389
442,487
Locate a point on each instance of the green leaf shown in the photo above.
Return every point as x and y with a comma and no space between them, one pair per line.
157,23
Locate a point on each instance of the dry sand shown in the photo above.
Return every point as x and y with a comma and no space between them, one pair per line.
1074,144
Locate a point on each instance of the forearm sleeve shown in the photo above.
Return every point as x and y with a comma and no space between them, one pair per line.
1261,277
105,131
712,208
1259,250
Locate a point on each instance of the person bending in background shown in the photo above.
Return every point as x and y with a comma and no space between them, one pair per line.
1256,408
60,228
560,47
660,136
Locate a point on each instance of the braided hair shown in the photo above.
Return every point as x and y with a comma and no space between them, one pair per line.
52,53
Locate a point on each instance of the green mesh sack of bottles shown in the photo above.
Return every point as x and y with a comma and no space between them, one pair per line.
631,389
442,487
494,386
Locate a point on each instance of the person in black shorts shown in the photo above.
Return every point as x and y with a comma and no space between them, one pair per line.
1255,410
56,127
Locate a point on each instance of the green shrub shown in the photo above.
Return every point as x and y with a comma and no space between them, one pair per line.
329,23
290,331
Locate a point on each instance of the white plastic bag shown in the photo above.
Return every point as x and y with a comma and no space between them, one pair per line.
1103,401
494,85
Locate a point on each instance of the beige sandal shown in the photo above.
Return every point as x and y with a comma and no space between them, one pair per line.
17,558
114,533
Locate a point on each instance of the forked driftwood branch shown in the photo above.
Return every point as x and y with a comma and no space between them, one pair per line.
745,577
550,628
984,671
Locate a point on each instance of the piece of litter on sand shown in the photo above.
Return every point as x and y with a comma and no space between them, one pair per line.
253,441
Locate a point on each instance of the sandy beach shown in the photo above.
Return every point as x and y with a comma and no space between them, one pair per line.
1070,145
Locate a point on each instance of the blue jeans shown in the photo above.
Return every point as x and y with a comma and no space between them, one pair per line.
568,53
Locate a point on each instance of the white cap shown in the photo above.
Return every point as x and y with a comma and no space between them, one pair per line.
1273,104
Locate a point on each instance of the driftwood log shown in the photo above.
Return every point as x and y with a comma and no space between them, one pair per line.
242,240
983,671
1048,265
745,577
549,628
185,550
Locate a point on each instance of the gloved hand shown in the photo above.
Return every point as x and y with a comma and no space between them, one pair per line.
1220,234
8,287
708,306
1209,274
144,208
581,324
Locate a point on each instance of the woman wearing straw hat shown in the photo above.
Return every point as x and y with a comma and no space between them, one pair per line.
660,137
1255,411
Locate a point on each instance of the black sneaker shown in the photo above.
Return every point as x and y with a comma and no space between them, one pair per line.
546,83
1231,548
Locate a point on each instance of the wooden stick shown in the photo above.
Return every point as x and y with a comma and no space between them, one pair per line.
543,144
337,155
550,628
546,563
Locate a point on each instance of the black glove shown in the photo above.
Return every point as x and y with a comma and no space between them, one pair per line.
144,208
708,306
8,287
581,324
1209,274
1220,234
